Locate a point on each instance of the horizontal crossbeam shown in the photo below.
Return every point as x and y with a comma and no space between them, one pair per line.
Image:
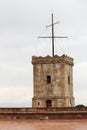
52,37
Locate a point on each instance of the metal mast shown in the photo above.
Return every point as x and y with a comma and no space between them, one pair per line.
53,36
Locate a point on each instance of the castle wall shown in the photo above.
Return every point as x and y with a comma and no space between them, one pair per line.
44,113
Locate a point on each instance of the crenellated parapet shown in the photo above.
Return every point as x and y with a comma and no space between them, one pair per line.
56,59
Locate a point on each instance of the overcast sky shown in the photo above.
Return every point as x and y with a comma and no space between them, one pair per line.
21,22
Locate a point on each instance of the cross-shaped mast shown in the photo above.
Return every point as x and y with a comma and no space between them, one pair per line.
53,36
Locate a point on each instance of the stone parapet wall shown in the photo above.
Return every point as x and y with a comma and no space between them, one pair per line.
43,113
38,110
56,59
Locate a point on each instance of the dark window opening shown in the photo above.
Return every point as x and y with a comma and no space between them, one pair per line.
38,103
48,103
68,79
48,79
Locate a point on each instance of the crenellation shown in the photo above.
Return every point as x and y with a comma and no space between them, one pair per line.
56,59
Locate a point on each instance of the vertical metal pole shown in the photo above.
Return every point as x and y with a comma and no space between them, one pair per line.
52,37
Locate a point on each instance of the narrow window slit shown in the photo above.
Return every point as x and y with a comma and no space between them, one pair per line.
68,79
48,79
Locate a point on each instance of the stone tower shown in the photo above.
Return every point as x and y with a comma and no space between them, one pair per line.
53,81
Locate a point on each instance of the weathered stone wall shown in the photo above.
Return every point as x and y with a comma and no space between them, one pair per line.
42,116
43,110
60,89
44,113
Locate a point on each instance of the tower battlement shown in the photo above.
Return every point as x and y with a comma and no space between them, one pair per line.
56,59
